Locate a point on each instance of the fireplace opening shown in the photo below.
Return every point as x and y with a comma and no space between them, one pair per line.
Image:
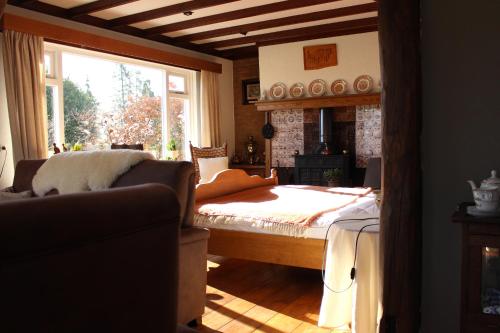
329,143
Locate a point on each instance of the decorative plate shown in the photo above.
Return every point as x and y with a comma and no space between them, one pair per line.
339,87
277,91
363,84
297,90
317,88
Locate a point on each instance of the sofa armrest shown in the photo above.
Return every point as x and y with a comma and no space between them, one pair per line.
34,226
178,175
193,234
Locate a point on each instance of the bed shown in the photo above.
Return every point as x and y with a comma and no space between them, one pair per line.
244,230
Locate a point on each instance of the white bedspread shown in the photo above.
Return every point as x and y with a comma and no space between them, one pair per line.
80,171
362,207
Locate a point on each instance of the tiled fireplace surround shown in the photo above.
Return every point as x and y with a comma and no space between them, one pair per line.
357,129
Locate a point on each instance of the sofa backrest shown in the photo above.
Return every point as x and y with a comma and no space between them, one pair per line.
179,175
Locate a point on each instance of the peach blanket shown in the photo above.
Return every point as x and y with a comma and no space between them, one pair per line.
292,205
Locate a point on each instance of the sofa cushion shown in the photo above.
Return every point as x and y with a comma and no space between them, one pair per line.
8,195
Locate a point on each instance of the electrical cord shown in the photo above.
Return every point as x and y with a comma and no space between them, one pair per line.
4,160
353,269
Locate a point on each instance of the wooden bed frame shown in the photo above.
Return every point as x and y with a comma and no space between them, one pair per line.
275,249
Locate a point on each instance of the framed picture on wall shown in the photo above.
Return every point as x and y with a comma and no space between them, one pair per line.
251,91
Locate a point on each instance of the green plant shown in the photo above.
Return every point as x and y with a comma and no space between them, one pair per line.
77,146
171,145
332,174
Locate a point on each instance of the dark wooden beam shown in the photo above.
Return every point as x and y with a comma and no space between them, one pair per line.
318,35
401,220
20,2
96,6
234,15
83,39
44,8
240,52
330,28
101,23
310,17
166,11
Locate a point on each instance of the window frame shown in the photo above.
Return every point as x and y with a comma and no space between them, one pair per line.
55,52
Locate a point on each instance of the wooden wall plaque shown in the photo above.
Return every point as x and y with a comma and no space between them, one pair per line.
320,56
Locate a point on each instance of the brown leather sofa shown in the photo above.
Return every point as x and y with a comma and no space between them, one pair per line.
179,176
105,261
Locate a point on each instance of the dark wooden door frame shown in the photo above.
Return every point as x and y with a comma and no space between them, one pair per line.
401,223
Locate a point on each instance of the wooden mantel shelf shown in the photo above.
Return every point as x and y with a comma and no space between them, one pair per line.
319,102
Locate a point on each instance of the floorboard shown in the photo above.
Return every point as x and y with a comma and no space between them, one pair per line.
247,296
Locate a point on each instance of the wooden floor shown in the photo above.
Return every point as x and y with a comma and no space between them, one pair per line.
246,296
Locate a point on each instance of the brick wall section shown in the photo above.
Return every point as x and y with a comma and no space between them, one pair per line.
247,121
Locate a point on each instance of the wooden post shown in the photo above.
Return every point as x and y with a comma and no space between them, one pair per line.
401,230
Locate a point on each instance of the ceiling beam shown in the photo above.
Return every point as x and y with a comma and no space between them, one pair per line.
96,6
97,42
319,35
294,33
234,15
20,2
310,17
101,23
241,52
166,11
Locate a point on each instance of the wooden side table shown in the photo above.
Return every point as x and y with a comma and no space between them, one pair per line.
480,308
251,169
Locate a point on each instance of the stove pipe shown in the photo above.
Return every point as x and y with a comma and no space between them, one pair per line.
325,131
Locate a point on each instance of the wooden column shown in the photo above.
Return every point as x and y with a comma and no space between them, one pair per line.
401,230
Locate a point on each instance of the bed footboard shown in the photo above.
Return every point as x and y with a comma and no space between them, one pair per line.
275,249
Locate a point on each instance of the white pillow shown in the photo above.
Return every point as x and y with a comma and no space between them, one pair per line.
210,166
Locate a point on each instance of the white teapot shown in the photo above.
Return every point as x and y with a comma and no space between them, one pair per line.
487,196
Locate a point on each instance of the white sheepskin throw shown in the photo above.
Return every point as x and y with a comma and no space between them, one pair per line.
81,171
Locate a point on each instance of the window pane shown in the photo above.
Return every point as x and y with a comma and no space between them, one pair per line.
108,102
48,64
176,84
178,110
50,93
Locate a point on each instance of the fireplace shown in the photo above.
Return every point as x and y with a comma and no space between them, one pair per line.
352,137
309,169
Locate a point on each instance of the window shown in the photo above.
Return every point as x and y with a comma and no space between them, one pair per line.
176,84
95,99
178,105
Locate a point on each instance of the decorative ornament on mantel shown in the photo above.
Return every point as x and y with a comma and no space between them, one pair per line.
320,56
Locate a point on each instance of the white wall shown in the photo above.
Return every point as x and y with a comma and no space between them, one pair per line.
225,79
5,139
356,54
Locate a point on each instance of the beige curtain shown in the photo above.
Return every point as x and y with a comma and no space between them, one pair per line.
23,57
210,115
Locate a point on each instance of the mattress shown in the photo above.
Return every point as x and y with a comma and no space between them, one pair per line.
347,217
